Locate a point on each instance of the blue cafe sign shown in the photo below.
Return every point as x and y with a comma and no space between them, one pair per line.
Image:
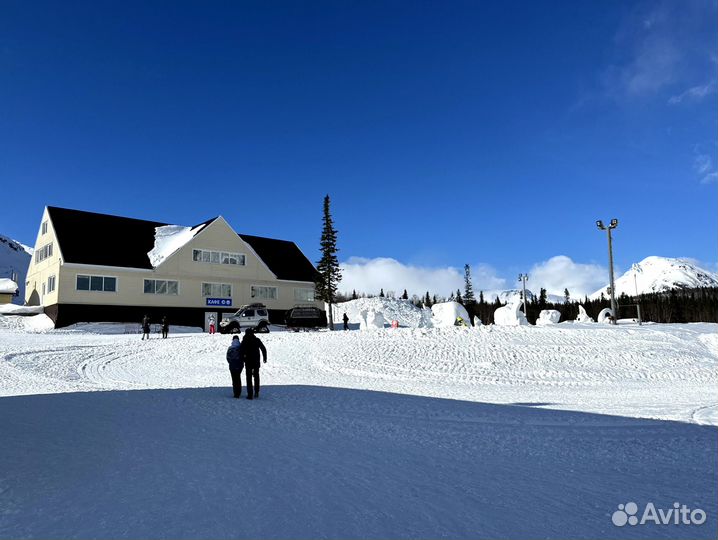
219,301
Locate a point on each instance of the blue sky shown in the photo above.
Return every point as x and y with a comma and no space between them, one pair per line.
445,132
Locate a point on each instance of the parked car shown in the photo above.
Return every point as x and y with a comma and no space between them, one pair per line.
305,317
253,316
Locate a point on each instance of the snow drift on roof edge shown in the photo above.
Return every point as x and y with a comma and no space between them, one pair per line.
169,239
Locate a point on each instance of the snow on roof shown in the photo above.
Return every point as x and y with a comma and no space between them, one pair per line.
7,286
168,239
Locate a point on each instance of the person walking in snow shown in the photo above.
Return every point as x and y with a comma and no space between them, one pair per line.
236,363
146,327
346,321
211,321
251,347
165,326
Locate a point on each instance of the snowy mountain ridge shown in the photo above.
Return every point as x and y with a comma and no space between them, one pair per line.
14,257
660,274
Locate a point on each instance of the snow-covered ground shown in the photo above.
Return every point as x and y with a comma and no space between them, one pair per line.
500,432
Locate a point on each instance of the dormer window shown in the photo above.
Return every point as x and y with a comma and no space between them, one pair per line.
218,257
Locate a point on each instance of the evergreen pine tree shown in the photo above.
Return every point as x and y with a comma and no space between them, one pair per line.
458,297
329,273
542,298
405,296
427,299
566,296
468,287
381,293
434,300
354,294
451,296
481,297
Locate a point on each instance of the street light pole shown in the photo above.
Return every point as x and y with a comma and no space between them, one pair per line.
523,278
611,226
635,284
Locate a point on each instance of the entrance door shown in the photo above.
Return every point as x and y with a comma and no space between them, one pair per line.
207,315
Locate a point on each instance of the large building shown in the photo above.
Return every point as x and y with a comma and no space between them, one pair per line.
97,267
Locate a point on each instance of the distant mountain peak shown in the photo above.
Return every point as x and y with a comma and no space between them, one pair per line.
660,274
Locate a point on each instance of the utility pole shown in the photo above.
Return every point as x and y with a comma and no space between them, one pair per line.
612,225
523,278
635,284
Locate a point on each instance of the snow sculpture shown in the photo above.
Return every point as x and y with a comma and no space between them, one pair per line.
510,315
605,316
425,319
547,317
582,315
371,320
446,313
477,321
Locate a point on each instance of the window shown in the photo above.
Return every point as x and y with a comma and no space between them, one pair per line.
43,253
51,284
216,290
304,295
218,257
44,227
161,286
96,283
263,293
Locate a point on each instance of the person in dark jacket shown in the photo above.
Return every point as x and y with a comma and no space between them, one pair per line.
346,322
236,363
251,347
146,327
165,326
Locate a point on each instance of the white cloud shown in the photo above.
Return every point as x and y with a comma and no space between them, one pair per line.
560,272
703,166
371,275
695,93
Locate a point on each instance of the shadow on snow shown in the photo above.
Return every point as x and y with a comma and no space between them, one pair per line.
327,462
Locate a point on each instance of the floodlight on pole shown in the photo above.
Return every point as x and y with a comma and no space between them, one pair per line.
612,225
523,278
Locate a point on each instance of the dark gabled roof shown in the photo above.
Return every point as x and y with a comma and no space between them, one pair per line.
100,239
282,257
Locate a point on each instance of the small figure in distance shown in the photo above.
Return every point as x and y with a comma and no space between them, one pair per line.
146,327
165,326
211,321
346,321
251,347
236,363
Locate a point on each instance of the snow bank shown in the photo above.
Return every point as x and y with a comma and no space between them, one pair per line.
548,316
582,315
445,314
7,286
14,309
168,239
392,308
38,323
510,315
112,328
